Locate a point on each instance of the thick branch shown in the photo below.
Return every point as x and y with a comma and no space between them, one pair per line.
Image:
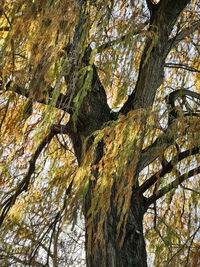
172,185
171,10
61,102
167,168
173,96
151,70
150,153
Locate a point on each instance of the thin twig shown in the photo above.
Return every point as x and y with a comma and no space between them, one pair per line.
184,245
7,18
181,66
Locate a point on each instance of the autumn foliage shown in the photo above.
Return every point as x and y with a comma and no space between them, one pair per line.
99,107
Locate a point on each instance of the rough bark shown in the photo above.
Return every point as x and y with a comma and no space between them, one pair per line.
110,253
94,112
156,49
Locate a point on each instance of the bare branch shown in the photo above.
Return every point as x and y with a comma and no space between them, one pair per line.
61,103
181,66
184,33
7,18
182,92
166,189
173,96
190,189
150,153
167,168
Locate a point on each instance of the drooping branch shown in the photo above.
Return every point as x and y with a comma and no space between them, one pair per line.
166,189
167,168
52,227
184,245
23,185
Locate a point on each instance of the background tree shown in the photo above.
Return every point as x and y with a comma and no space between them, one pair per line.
99,120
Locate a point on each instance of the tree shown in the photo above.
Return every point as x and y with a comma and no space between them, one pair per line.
100,119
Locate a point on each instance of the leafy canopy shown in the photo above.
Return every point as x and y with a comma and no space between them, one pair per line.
42,186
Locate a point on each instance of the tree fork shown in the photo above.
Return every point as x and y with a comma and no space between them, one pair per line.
131,252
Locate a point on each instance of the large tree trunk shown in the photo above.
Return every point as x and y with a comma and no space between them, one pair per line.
110,253
94,112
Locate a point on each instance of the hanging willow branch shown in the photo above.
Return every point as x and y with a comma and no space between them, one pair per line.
23,185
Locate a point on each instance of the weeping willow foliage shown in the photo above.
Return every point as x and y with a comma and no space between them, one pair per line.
34,38
118,163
